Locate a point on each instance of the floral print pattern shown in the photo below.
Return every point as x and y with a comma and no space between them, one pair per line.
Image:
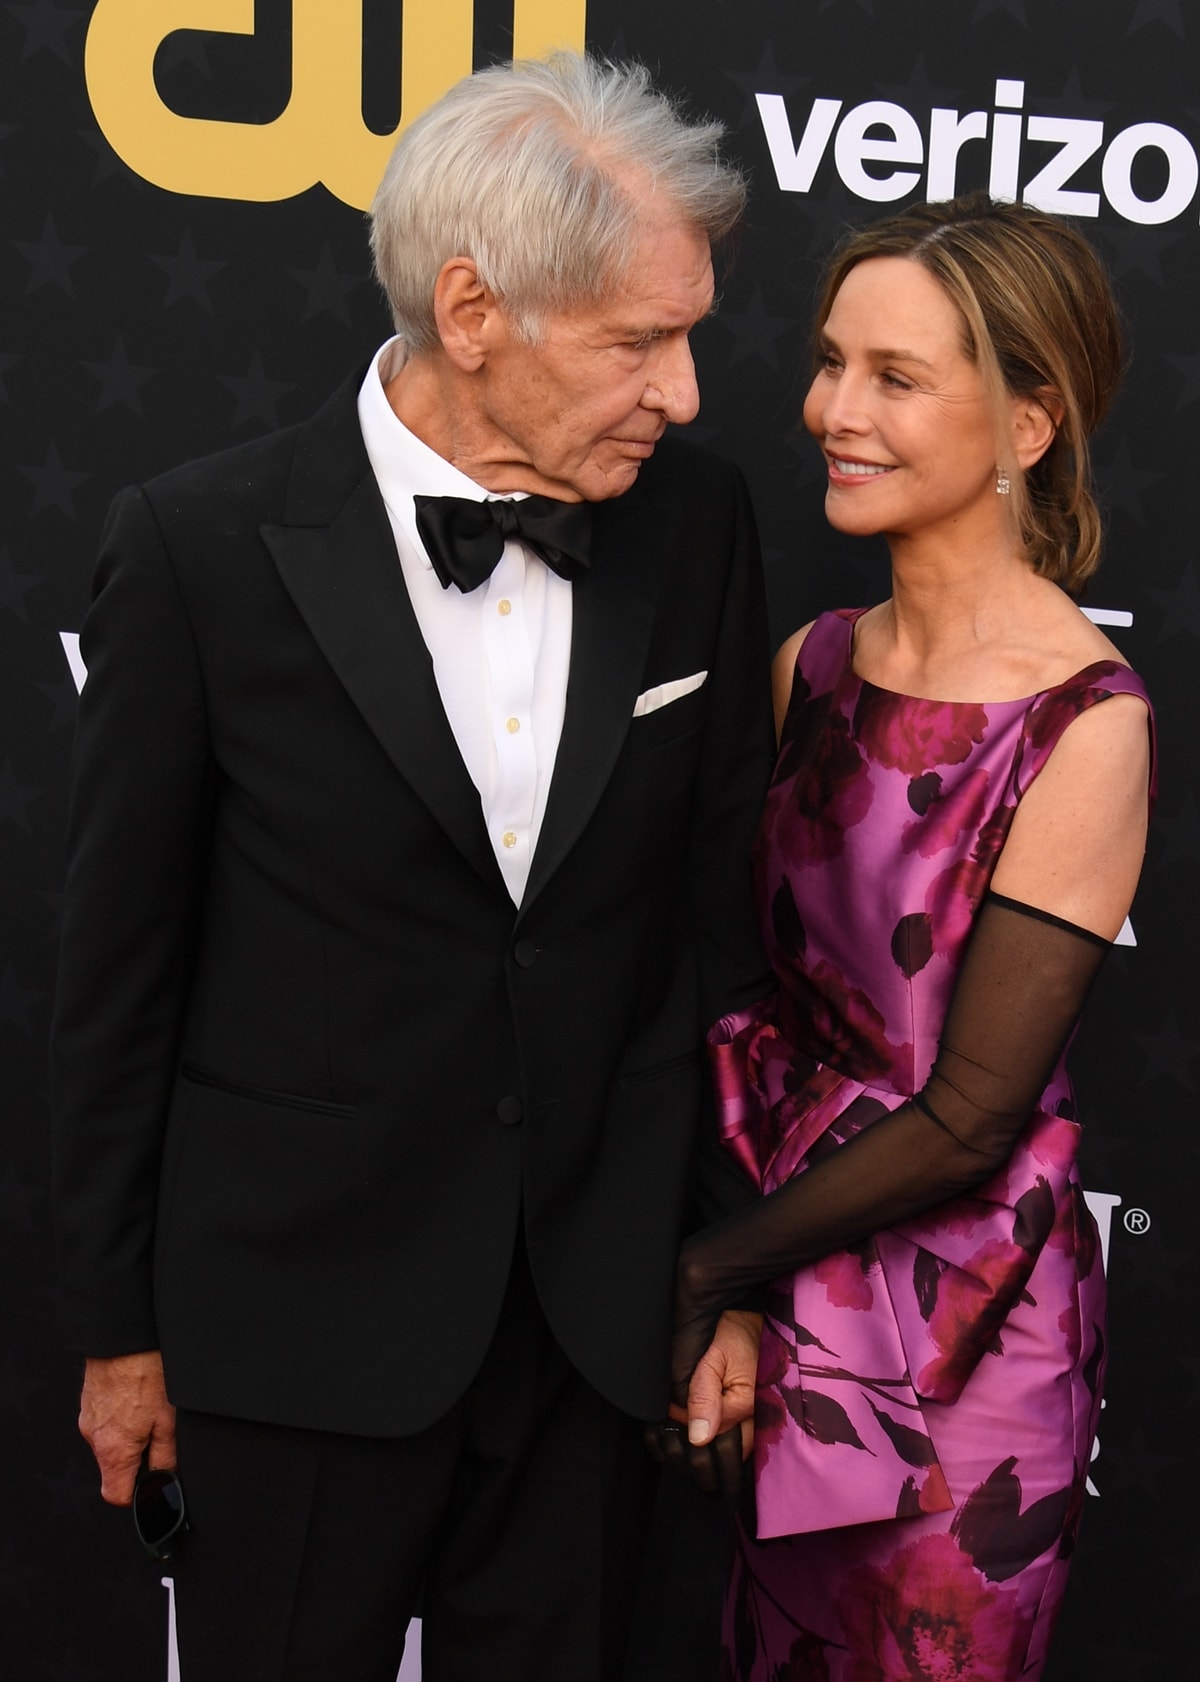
928,1612
926,1401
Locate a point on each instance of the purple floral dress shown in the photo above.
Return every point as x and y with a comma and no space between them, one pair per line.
927,1402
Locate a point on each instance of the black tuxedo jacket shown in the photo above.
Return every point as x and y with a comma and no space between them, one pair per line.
311,1066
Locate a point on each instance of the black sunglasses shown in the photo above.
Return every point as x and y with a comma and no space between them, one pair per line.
159,1515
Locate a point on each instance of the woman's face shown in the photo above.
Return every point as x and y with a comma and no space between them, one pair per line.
900,411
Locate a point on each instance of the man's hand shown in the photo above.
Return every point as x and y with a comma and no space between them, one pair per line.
123,1410
721,1391
711,1438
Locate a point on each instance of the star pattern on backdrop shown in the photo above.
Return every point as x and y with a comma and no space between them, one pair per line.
1189,367
1071,101
188,274
120,380
754,330
54,484
257,396
1181,605
917,92
1015,9
15,586
766,77
1169,1053
50,259
327,287
108,164
1167,12
810,464
826,216
1124,483
1138,248
186,49
46,25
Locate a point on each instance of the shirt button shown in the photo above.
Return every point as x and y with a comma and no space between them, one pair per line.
513,725
504,608
509,838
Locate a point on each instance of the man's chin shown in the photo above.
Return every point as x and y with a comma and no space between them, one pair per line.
616,481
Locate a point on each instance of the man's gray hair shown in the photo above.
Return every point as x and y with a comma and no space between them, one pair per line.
538,172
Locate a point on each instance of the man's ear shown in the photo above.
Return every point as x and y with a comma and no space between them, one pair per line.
1035,421
466,313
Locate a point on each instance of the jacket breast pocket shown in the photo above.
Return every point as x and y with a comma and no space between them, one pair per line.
669,723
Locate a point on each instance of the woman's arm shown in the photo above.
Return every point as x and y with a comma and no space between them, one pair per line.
1025,976
1076,843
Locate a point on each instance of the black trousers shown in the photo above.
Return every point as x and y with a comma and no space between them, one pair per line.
514,1525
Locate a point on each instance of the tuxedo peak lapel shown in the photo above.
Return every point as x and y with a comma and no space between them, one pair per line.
613,614
345,578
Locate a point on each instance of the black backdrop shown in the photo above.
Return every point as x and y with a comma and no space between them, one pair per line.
174,277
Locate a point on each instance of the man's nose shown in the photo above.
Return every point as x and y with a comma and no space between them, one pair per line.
672,386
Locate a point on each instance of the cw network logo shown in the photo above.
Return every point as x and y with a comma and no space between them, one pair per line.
320,135
1148,172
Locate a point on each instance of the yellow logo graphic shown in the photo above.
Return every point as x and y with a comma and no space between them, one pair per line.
320,135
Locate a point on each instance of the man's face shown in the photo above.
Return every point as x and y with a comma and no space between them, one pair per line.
577,414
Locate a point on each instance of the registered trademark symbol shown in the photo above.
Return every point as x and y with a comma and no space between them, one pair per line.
1137,1221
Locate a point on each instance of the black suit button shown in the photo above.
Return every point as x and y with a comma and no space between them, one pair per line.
525,952
510,1110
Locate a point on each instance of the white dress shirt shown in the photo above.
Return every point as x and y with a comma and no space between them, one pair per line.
500,653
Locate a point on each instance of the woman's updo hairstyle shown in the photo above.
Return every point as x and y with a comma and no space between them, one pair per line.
1040,321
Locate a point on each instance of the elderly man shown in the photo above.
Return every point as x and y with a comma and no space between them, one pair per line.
418,764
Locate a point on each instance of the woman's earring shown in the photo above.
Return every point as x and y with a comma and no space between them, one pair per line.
1003,483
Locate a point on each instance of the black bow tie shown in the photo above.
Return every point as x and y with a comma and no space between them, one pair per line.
465,539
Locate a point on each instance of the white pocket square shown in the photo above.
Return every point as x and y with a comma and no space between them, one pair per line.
665,693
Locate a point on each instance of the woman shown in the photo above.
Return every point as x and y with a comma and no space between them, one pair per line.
952,839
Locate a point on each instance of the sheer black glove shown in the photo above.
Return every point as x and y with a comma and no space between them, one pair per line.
1022,986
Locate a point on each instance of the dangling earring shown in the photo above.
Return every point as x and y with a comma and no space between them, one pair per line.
1003,483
